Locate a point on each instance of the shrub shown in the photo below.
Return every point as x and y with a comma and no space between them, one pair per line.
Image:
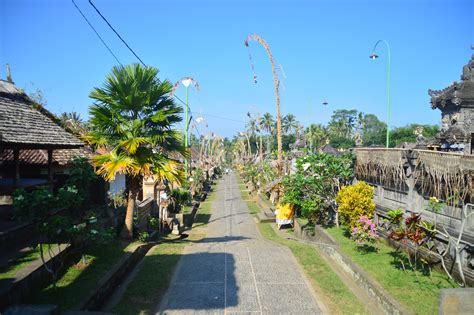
33,205
143,236
365,232
68,197
354,202
313,187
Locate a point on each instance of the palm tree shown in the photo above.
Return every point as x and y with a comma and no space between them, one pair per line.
252,126
268,125
132,123
315,133
290,123
73,122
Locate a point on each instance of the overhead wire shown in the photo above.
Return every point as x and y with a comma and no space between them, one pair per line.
134,53
96,33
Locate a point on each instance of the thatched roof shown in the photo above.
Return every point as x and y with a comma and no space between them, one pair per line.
26,125
61,157
329,149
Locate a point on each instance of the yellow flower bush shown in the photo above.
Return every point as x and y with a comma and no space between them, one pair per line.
354,202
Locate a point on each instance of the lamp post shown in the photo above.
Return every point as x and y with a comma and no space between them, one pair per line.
375,56
186,82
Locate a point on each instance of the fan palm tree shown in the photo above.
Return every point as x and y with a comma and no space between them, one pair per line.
290,124
132,123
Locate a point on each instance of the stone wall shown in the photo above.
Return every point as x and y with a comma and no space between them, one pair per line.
144,209
405,179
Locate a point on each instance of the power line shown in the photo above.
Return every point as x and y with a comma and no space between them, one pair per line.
125,43
141,61
92,27
116,33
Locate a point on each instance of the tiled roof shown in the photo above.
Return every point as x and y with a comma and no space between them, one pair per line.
23,125
40,157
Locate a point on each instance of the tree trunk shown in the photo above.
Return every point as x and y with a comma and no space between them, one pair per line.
127,231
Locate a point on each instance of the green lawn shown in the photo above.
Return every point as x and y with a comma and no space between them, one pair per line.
152,279
79,280
24,260
418,292
338,298
249,200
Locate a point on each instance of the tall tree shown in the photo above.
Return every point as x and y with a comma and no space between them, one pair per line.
268,125
343,122
133,120
316,134
373,131
290,124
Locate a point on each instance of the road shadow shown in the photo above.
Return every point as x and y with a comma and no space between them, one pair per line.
203,281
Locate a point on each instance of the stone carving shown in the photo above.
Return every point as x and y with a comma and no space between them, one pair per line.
456,103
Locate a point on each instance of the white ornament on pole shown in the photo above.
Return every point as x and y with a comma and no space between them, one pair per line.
186,82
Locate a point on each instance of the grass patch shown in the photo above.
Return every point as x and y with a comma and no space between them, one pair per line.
187,209
418,292
152,280
25,259
339,298
203,214
79,280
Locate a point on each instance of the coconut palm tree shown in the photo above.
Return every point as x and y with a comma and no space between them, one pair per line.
73,122
268,125
315,134
290,124
132,122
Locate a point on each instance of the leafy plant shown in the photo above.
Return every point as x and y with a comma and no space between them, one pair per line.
354,202
68,197
81,177
33,205
395,216
365,232
143,236
314,185
154,223
179,197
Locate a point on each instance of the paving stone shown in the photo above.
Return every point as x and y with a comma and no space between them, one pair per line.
234,271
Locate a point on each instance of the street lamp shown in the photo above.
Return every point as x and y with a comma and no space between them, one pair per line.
186,82
375,56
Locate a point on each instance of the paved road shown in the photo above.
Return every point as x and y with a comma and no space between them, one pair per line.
234,271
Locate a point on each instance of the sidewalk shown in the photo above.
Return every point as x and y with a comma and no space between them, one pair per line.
233,270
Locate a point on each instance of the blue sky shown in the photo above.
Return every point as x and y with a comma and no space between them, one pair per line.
323,47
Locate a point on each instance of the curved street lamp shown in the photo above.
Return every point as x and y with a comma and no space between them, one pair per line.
186,82
375,56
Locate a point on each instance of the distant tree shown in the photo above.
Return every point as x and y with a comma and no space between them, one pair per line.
343,123
289,123
316,134
373,131
341,142
268,125
73,123
407,133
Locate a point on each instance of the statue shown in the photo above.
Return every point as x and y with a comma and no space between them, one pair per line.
420,139
358,140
